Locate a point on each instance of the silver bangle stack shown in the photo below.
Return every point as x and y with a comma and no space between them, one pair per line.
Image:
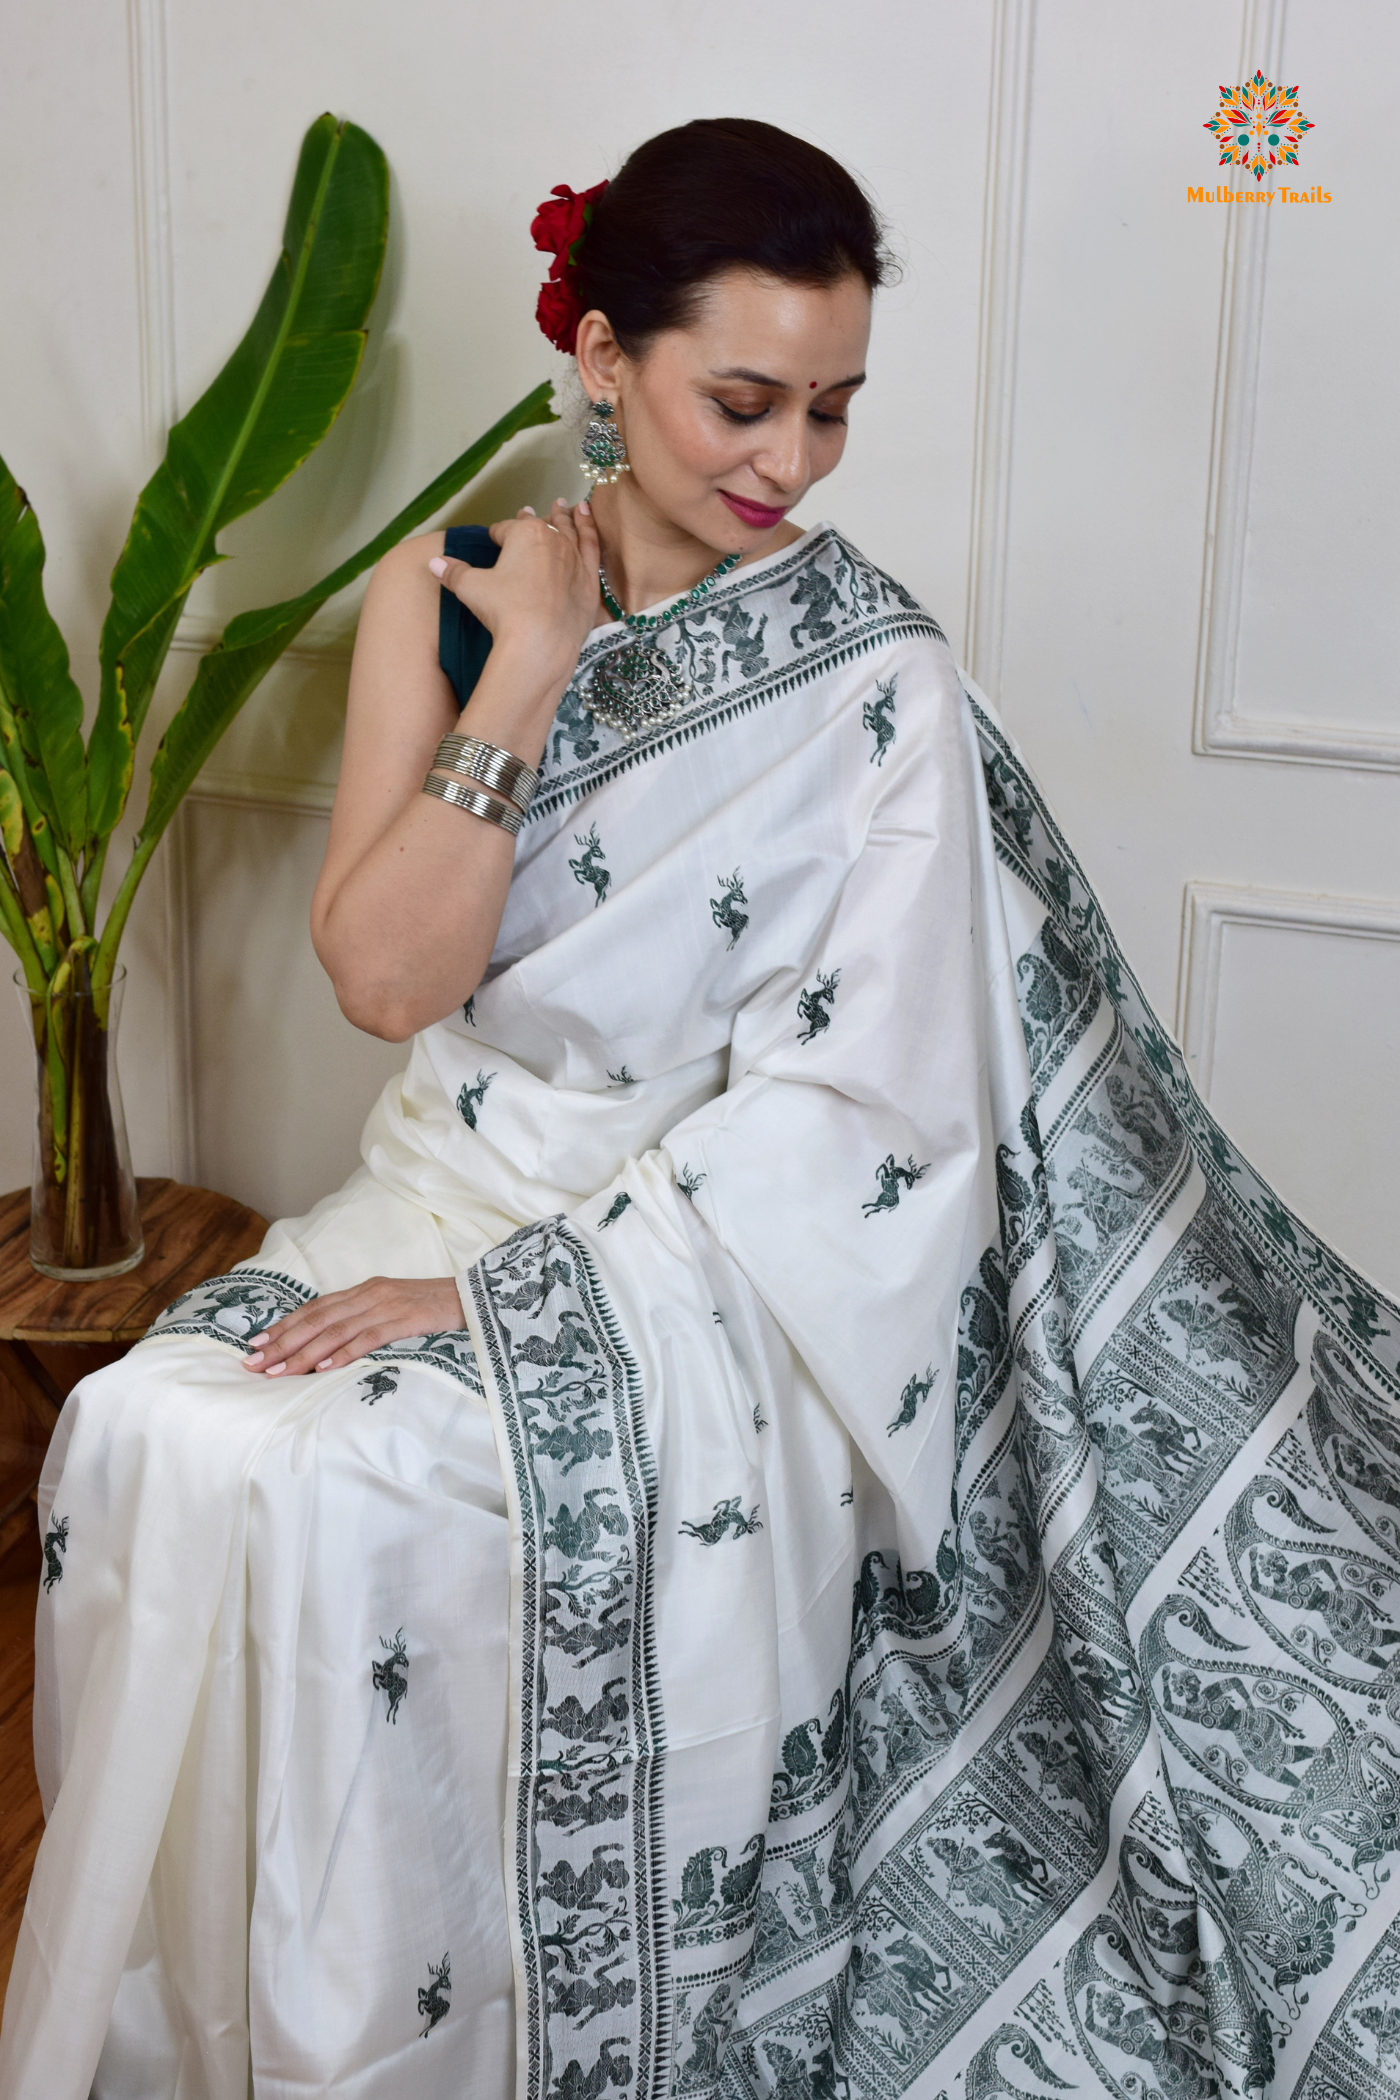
484,766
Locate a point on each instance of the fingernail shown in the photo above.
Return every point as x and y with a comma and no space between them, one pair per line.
260,1337
528,509
325,1363
438,565
254,1357
583,506
275,1370
561,503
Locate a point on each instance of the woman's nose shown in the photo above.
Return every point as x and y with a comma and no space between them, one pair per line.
783,460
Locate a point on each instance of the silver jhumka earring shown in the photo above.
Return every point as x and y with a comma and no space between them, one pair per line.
604,453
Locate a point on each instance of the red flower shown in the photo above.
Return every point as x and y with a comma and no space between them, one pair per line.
557,228
559,225
558,312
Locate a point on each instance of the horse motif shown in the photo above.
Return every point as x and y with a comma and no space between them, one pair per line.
574,725
999,1874
891,1176
818,593
1175,2046
743,645
578,1537
572,1337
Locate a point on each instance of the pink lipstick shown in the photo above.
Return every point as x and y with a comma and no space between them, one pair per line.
761,516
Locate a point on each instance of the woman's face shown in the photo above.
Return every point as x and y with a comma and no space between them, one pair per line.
729,421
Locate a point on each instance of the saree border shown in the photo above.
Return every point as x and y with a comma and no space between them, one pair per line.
589,1910
1031,844
875,609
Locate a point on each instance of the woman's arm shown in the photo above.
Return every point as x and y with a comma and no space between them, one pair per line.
411,892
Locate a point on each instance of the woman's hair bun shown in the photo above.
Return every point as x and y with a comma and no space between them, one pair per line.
718,194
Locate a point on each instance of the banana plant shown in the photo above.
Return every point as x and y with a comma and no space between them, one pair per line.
61,798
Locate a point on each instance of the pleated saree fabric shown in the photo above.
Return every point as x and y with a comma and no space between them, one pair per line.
896,1587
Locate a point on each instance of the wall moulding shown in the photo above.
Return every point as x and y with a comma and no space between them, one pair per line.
1210,909
320,642
1224,726
267,791
1008,149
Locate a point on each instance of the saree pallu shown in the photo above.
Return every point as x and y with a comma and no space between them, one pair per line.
896,1588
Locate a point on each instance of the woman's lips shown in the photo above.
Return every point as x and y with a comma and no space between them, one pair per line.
759,514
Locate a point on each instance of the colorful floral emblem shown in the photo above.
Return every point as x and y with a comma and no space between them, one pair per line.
1259,126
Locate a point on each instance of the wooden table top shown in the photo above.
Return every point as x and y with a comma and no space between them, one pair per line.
191,1234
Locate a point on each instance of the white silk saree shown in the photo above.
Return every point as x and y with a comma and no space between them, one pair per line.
896,1587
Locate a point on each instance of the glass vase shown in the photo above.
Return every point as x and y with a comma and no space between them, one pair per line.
83,1220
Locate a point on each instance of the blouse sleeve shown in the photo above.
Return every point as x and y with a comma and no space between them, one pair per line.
463,643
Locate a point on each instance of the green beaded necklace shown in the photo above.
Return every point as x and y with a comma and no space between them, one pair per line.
638,687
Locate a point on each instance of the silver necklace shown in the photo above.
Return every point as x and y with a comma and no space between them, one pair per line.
639,687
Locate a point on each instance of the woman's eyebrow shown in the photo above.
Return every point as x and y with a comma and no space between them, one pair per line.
765,379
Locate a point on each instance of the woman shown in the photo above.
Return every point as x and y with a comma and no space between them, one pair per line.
838,1461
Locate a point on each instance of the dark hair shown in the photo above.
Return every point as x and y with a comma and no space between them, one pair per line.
721,193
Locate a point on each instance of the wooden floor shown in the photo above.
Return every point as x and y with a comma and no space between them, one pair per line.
21,1819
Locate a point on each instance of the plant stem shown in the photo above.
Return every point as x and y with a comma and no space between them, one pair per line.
75,1204
18,935
92,878
77,924
105,962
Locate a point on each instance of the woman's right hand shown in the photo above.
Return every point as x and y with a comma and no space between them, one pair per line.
541,598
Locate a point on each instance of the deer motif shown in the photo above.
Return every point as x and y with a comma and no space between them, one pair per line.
388,1678
878,714
728,1515
433,2002
917,1391
471,1098
891,1176
813,1007
377,1385
589,868
619,1205
55,1542
724,910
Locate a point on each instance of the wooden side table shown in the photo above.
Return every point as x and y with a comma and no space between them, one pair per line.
53,1334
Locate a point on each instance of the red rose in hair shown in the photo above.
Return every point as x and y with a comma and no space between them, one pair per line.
557,228
558,225
558,312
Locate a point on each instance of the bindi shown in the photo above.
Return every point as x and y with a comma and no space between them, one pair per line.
811,382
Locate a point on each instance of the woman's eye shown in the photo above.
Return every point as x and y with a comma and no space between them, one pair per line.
737,415
818,416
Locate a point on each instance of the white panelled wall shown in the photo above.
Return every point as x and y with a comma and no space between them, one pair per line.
1134,451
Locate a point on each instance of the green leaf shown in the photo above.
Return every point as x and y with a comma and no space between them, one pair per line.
253,642
268,409
41,705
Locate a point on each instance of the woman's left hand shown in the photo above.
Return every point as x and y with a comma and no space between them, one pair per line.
335,1330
